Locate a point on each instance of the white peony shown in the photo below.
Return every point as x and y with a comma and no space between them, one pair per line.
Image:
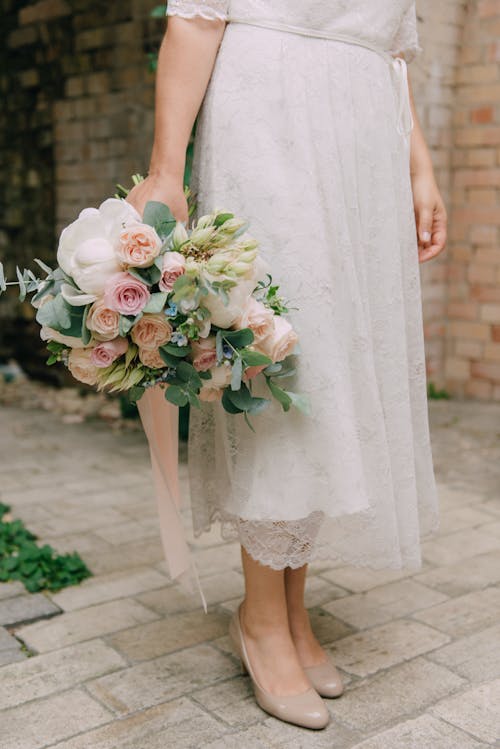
86,249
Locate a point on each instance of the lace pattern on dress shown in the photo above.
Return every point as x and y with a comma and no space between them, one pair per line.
406,40
210,10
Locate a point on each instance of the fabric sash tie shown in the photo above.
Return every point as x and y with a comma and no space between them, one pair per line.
397,64
160,422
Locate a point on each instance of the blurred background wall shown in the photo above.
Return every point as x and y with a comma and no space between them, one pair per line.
77,117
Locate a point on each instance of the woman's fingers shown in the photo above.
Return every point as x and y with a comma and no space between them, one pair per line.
437,238
424,224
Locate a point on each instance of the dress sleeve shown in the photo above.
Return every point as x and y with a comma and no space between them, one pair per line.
211,10
406,40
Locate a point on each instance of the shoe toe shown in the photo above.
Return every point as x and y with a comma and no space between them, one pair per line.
325,679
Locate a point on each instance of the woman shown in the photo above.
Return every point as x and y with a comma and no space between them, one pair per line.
306,130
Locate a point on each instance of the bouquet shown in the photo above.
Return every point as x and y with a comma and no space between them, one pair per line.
136,302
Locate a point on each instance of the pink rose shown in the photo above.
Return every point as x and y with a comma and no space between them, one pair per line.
81,366
139,245
257,317
204,354
102,321
151,358
174,265
151,331
280,342
212,389
125,294
107,352
252,372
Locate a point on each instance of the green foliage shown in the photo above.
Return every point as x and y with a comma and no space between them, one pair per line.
159,216
434,394
37,567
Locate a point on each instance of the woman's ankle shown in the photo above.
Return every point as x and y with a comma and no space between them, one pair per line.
258,622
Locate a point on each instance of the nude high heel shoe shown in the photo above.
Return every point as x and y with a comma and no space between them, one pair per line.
325,679
305,709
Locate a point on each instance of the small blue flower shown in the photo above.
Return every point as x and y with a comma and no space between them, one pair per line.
227,351
171,310
179,338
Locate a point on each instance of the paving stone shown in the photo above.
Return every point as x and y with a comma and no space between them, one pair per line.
388,697
459,518
359,579
458,546
464,615
26,607
85,624
218,559
476,657
492,528
7,641
381,647
476,711
11,589
451,498
463,577
166,635
77,522
135,554
46,721
108,587
383,603
232,701
86,544
274,734
44,674
171,676
12,655
130,530
179,724
425,732
173,599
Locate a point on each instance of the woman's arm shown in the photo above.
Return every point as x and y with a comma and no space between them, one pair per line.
185,63
430,212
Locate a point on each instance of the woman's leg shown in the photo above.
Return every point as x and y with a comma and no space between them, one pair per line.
308,648
268,641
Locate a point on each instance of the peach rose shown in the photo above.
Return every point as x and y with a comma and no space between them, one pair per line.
139,245
174,265
106,352
125,294
280,342
151,331
252,372
212,389
204,354
102,321
151,358
257,317
81,366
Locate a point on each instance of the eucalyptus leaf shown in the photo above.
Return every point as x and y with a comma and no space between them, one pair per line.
236,373
156,302
254,358
22,285
149,276
177,351
239,338
3,285
86,334
228,404
159,216
219,346
44,267
176,395
281,395
135,393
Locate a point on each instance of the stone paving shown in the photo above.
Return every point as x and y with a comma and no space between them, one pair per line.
127,660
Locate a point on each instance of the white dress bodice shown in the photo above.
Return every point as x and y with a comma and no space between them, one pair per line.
387,24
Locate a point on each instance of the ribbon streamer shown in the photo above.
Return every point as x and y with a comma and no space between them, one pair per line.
160,421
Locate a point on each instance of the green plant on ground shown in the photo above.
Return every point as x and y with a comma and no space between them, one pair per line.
434,394
37,567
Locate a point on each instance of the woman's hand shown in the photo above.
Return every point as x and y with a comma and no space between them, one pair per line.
164,188
430,216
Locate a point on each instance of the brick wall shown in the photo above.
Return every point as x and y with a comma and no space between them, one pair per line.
472,365
79,117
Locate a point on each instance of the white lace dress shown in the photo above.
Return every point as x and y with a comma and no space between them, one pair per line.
305,136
